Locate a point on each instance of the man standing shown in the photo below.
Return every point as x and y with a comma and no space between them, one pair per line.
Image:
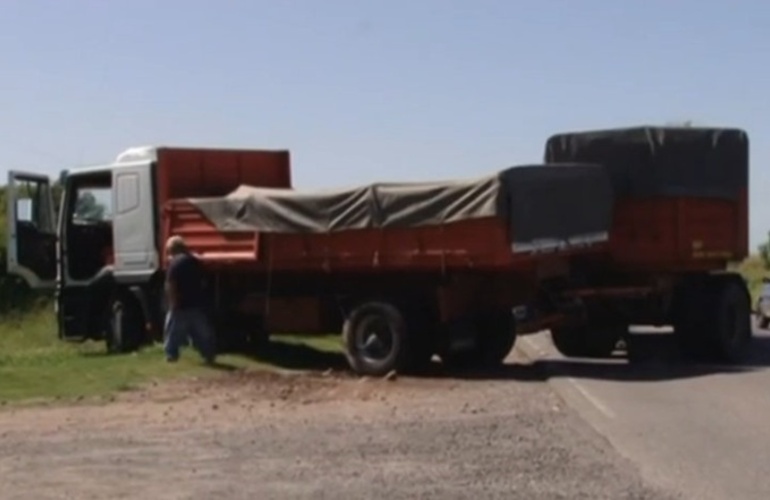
186,317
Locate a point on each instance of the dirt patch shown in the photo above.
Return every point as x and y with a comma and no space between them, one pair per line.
260,435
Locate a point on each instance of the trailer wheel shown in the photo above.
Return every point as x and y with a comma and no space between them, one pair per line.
497,335
375,340
125,326
729,329
713,319
492,335
587,341
690,317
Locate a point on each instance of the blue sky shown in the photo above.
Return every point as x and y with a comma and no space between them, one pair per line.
363,90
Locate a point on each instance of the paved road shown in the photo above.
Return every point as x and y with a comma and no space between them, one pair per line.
703,431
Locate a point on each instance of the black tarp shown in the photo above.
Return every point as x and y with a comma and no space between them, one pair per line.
662,161
551,206
546,207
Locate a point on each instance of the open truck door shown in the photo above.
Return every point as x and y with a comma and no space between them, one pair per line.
31,235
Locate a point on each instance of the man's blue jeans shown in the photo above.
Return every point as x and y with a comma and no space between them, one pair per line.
188,325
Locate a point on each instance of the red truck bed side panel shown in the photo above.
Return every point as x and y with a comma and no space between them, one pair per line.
681,193
481,244
678,233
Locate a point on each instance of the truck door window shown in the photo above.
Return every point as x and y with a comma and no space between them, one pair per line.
32,205
127,187
93,205
31,235
89,232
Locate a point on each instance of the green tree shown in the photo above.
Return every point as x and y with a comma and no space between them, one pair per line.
764,252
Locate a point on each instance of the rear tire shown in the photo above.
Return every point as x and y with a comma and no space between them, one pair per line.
713,320
497,335
492,335
587,341
729,332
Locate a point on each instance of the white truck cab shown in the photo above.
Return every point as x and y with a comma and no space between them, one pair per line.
101,246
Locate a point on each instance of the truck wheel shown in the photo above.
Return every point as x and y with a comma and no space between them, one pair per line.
375,339
713,319
492,334
729,330
690,318
125,327
587,341
422,328
496,336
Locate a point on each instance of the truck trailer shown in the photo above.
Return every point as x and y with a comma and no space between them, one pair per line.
680,219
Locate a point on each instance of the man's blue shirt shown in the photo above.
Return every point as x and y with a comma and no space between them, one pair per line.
186,273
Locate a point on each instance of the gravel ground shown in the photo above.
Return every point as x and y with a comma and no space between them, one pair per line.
324,436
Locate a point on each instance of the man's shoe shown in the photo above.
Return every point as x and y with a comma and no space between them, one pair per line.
171,360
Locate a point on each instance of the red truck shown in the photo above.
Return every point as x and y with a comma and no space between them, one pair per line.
405,271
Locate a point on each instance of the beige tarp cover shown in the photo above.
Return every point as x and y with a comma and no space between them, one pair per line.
537,202
377,205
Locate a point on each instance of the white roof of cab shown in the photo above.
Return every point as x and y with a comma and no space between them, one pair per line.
138,153
128,157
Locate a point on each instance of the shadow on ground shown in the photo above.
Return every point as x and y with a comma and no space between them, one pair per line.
217,365
296,356
655,358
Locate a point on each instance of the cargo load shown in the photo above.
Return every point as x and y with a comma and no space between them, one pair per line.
662,161
681,192
542,207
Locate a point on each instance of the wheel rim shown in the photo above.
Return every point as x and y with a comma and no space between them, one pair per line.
375,340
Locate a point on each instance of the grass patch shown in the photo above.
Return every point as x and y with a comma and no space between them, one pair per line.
35,364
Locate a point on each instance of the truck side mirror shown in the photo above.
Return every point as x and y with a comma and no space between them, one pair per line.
24,210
